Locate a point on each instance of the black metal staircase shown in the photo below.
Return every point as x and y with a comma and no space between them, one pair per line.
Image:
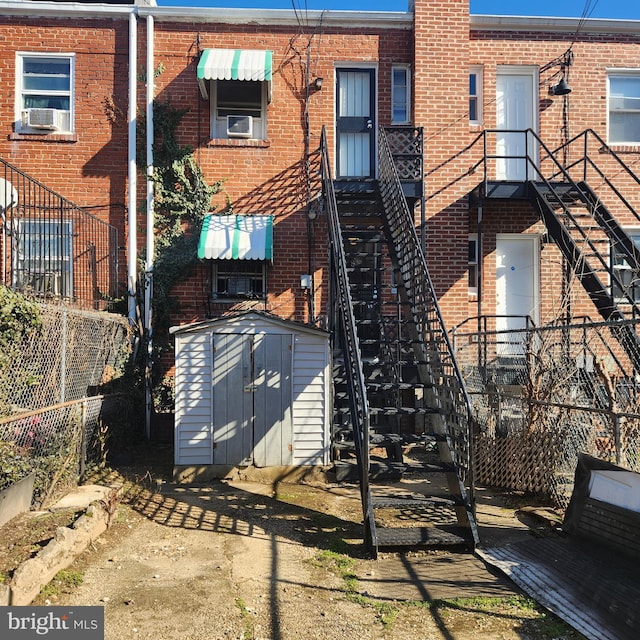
588,235
402,418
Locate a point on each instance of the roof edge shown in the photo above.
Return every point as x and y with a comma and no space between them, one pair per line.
553,24
239,315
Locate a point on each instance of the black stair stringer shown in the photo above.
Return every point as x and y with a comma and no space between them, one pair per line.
437,369
577,260
546,200
619,237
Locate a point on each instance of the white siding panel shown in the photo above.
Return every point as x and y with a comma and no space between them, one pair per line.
196,384
193,443
310,400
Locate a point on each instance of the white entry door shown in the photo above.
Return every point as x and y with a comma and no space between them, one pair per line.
355,122
516,290
516,102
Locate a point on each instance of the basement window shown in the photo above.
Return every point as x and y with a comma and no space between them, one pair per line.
239,279
628,279
624,108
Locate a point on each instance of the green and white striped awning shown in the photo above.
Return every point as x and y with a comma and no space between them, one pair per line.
234,64
235,237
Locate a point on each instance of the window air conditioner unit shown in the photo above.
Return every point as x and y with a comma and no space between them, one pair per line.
51,119
239,126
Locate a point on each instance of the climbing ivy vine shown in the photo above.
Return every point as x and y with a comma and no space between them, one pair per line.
182,197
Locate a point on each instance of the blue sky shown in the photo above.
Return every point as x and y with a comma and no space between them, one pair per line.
619,9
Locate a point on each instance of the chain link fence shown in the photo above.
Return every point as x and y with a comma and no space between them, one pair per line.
541,396
54,414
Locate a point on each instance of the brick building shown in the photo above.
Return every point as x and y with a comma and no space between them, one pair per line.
271,173
499,130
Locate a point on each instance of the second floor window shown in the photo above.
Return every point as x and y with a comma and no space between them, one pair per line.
400,94
239,82
44,92
475,96
624,108
240,108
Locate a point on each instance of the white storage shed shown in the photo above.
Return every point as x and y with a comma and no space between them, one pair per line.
250,390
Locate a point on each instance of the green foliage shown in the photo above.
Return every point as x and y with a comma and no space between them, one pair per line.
182,198
65,581
14,464
20,321
19,318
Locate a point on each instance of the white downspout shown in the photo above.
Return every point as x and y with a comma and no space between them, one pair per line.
148,279
132,248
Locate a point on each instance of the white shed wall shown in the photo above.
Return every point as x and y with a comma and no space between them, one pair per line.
311,438
195,394
193,399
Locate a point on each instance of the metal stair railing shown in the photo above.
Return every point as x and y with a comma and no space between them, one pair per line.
449,386
572,250
358,403
52,248
599,293
587,165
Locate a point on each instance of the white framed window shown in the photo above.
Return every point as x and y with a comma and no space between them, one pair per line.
44,92
239,109
629,287
472,267
475,95
623,107
43,256
400,94
245,279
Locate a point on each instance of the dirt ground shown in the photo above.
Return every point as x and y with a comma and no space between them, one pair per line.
249,561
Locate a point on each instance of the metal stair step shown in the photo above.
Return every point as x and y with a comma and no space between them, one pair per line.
410,502
395,411
424,536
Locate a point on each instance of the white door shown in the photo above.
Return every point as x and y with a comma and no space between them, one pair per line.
516,100
516,290
355,122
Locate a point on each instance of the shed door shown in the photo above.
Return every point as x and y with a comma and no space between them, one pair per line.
252,399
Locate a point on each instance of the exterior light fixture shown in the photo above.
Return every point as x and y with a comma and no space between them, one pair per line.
560,89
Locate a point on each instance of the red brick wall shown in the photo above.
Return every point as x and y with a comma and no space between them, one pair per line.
269,177
89,168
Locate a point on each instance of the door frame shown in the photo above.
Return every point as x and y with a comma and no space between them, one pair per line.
533,73
357,66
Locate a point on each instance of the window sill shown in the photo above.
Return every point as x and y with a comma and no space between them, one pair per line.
45,137
622,148
224,297
239,142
